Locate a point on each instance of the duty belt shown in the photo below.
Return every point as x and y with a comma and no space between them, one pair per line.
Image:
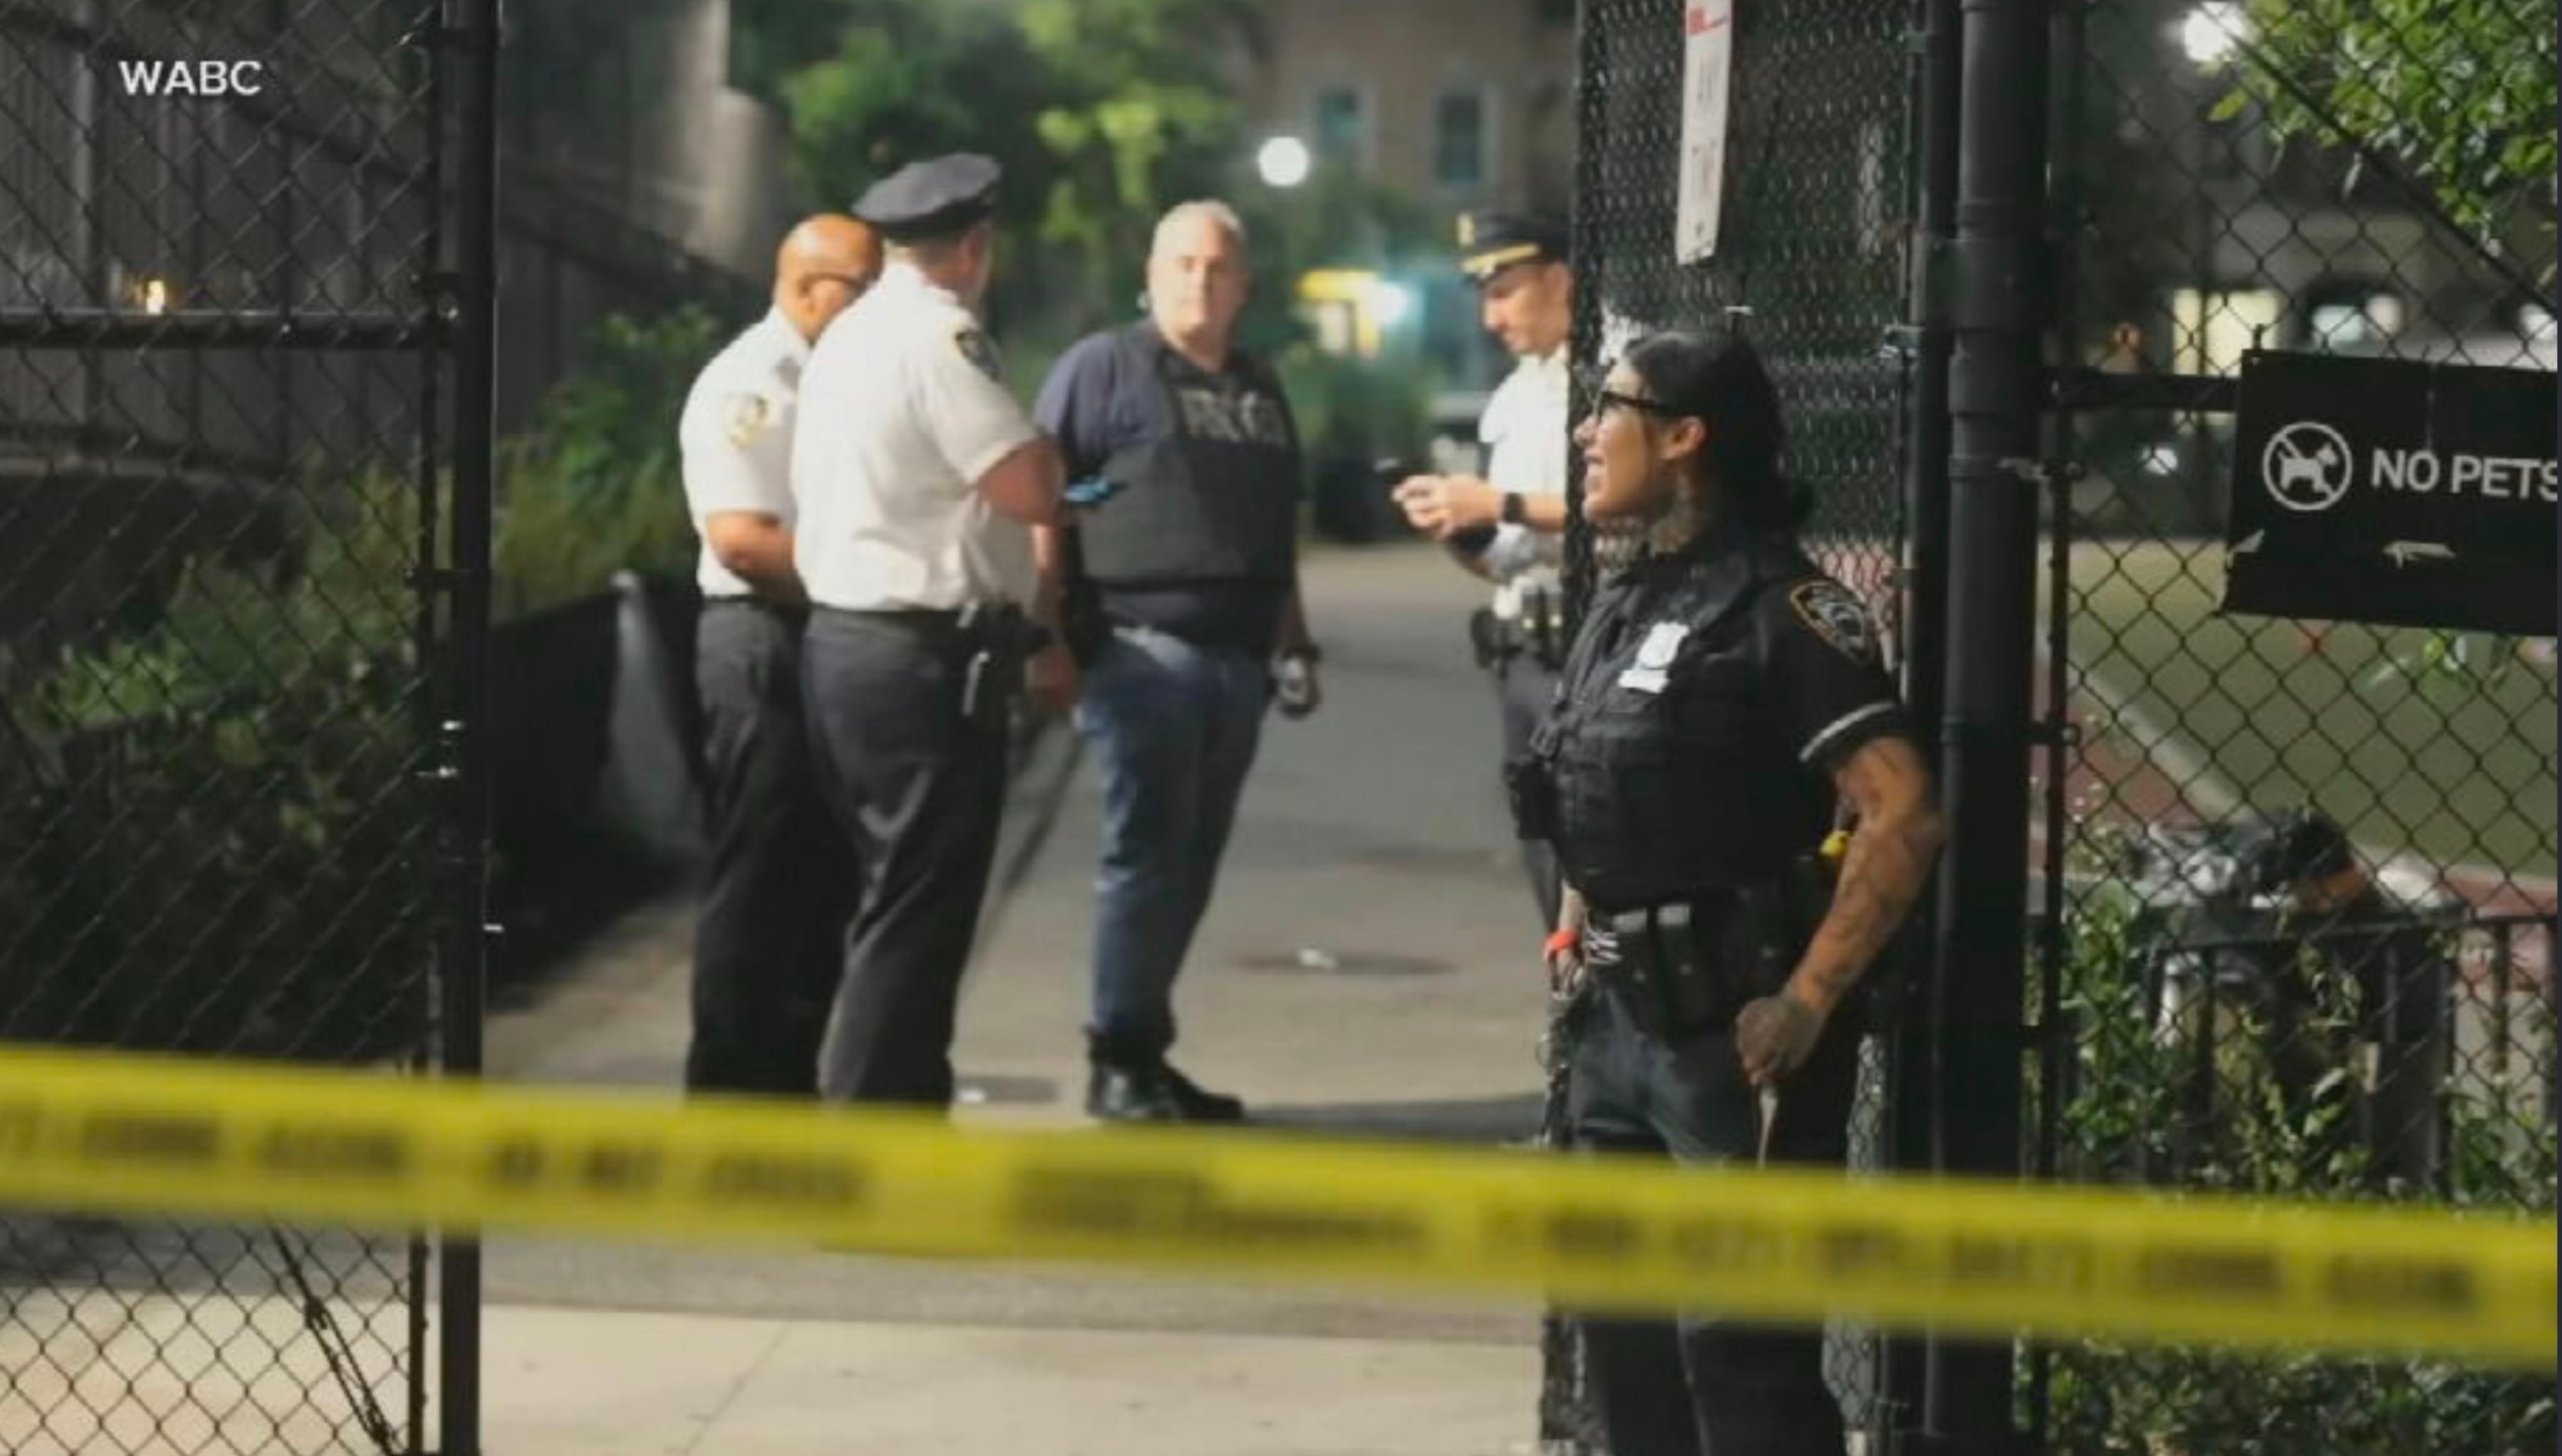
1685,965
992,638
1535,628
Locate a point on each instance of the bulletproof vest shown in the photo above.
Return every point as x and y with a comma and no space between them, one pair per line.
1669,775
1216,496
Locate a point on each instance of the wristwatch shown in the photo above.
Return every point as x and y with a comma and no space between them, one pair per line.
1515,508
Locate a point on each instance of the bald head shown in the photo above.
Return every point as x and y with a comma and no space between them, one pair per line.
824,264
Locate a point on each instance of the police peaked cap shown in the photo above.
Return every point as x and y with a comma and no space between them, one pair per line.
934,198
1490,242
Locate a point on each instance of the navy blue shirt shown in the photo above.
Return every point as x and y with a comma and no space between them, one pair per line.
1096,406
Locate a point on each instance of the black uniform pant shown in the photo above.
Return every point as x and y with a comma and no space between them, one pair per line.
1700,1385
781,878
1524,688
918,785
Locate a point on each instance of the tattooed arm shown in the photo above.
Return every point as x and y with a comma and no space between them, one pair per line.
1882,874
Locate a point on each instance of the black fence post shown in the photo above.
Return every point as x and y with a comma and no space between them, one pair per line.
1995,398
1913,1048
472,31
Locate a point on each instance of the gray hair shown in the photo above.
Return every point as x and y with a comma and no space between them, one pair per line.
1198,210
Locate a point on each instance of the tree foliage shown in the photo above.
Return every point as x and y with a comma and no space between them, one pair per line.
1103,113
2459,92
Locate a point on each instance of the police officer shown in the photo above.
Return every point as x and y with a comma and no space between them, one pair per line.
1722,703
1510,528
781,878
1193,556
918,477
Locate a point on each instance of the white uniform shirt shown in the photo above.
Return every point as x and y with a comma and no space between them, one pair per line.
904,415
735,436
1524,428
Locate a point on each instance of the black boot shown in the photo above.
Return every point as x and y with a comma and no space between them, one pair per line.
1128,1087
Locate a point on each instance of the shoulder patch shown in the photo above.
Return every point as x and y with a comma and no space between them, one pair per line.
1829,610
747,417
975,347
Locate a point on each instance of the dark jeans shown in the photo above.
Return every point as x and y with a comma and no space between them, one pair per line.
782,877
1523,692
918,786
1173,727
1699,1384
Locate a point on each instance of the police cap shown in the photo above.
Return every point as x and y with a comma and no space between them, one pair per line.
934,198
1489,241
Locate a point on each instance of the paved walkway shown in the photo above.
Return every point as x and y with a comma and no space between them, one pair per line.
1368,967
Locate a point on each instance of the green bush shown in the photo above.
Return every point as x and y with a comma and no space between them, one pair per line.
2122,1103
595,485
222,857
226,851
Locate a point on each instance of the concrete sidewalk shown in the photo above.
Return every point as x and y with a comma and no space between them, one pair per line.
569,1382
1369,967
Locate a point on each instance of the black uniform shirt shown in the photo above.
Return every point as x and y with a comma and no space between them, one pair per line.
1707,701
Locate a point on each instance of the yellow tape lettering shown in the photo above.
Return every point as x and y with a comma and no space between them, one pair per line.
364,1154
515,1163
2250,1275
1727,1243
134,1136
2022,1263
1186,1209
2420,1286
22,1128
1855,1249
785,1181
619,1167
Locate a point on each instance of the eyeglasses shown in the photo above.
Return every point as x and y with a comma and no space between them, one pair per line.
1610,399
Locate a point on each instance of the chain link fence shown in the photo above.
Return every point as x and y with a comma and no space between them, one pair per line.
2296,879
1809,265
219,234
2301,873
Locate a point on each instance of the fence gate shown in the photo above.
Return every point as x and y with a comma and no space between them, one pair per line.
2312,178
1810,264
2004,259
244,329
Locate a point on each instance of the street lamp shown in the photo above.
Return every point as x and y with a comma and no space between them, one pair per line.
2212,31
1391,301
1282,162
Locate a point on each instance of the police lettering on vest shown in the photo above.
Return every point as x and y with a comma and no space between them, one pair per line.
1214,496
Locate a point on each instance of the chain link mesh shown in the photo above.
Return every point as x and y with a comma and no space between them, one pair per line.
213,411
2222,1009
1810,267
2228,177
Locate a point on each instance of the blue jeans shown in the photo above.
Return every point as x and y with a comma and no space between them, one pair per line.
1173,727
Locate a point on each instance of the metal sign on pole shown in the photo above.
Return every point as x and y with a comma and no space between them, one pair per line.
2393,492
1708,64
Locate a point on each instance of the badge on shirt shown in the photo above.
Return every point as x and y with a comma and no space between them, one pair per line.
749,415
976,348
1655,657
1836,615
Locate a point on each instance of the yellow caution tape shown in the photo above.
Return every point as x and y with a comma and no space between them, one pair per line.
214,1139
